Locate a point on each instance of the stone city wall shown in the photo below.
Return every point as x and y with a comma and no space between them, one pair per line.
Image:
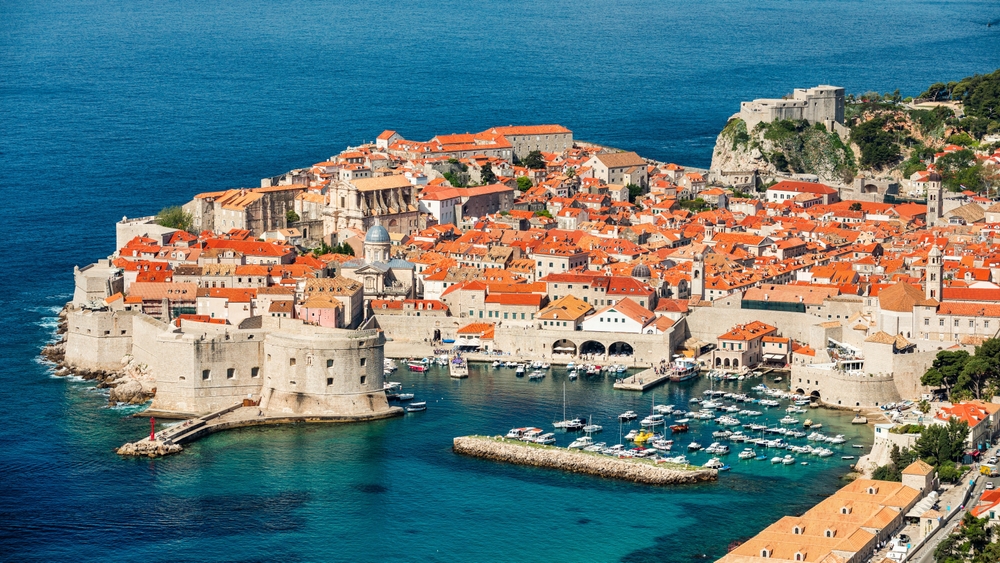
98,340
837,388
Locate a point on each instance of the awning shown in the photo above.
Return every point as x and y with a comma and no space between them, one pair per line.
774,356
563,349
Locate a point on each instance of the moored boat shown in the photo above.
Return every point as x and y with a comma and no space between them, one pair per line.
416,407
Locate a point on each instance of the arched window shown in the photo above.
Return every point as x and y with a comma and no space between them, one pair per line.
765,553
797,530
799,557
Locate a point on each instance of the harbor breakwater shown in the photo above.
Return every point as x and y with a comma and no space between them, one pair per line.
625,469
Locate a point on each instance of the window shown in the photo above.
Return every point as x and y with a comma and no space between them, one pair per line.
927,322
363,377
291,361
254,372
230,373
329,363
329,381
363,362
940,322
797,530
206,374
972,324
956,322
830,533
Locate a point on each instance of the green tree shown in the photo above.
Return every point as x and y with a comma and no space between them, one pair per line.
945,369
570,172
924,406
291,216
175,218
878,146
534,160
453,179
343,248
634,192
487,175
940,445
974,376
524,183
543,213
856,206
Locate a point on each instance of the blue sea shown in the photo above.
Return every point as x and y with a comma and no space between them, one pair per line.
119,108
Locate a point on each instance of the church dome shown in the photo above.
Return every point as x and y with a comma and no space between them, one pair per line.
933,177
377,234
640,271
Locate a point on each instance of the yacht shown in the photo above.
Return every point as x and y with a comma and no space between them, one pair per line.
838,439
627,416
581,442
545,365
496,364
683,369
662,445
776,460
714,463
590,428
565,421
575,425
680,427
519,371
788,460
664,409
404,397
676,459
747,454
789,420
458,368
652,420
416,407
547,438
537,374
632,434
416,366
694,446
597,448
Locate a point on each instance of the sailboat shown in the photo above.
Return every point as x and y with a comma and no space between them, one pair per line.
565,422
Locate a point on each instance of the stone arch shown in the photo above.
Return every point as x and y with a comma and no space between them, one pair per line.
814,395
799,391
718,362
725,363
593,347
564,346
393,223
736,362
621,349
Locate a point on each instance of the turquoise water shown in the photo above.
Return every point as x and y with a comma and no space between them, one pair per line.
121,107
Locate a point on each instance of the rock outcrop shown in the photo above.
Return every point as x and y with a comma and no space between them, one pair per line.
625,469
782,148
149,449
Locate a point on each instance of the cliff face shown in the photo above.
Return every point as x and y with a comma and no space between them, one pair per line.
783,147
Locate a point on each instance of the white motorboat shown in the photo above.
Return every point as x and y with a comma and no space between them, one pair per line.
789,420
537,374
404,397
598,447
663,409
416,407
714,463
694,446
573,375
519,370
747,454
547,438
627,416
590,428
776,460
632,434
788,460
838,439
652,420
497,363
545,365
662,445
676,459
581,442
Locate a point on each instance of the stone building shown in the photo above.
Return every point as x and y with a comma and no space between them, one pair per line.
619,168
821,104
527,138
390,201
257,210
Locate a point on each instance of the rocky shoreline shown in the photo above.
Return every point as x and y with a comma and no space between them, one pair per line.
124,386
625,469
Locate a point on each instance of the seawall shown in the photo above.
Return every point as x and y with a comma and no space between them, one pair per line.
625,469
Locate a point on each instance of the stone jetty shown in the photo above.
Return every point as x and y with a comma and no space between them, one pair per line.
635,470
642,381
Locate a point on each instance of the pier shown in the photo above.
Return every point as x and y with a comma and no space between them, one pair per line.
636,470
170,440
645,379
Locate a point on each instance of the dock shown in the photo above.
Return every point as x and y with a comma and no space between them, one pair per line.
170,440
645,379
636,470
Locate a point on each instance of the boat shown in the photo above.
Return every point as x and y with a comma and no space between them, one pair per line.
838,439
642,436
565,421
776,460
694,446
714,463
846,457
415,407
458,368
694,400
747,454
545,365
858,446
519,370
632,434
683,369
416,366
788,460
777,380
592,428
573,375
497,363
789,420
662,445
571,365
627,416
536,375
581,442
652,420
532,434
547,438
679,427
598,447
404,396
816,425
575,425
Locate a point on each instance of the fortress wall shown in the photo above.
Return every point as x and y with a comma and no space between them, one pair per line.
98,340
707,323
178,363
324,373
838,388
